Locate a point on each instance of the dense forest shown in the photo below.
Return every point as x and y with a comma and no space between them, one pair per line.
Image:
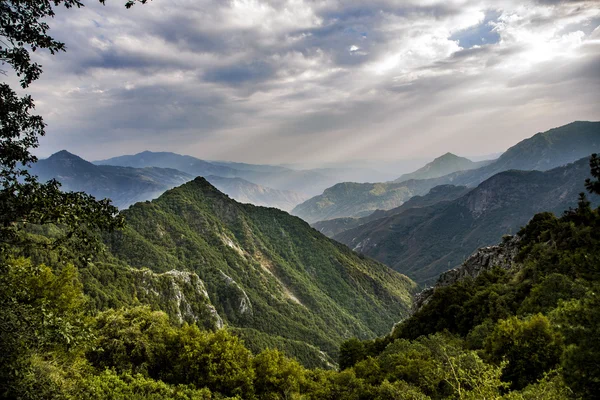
528,332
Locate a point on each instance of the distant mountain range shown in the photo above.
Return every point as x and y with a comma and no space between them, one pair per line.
422,242
443,165
543,151
305,182
264,272
128,185
124,185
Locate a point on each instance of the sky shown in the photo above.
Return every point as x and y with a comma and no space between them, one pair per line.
286,81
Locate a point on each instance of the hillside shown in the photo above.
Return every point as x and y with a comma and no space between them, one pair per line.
262,268
123,185
527,306
305,182
424,242
443,165
543,151
247,192
332,227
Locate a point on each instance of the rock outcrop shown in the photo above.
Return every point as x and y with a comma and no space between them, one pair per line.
181,294
485,258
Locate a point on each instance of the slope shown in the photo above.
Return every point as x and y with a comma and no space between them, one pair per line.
424,242
262,268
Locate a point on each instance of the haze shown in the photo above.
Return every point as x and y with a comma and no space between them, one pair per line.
317,81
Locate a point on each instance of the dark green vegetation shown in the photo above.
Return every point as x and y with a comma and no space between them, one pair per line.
537,321
528,332
307,182
443,165
543,151
123,185
262,268
247,192
438,194
424,242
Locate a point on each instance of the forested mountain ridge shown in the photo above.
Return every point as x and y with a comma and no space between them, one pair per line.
427,241
262,268
543,151
123,185
307,182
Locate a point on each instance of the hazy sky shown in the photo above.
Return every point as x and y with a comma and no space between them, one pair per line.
310,80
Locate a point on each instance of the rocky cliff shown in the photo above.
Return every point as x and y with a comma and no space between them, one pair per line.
485,258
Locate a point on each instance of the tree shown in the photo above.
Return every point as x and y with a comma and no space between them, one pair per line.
24,200
277,377
41,319
530,346
593,186
351,352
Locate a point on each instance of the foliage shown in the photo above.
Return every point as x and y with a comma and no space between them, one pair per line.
531,348
24,200
593,186
40,321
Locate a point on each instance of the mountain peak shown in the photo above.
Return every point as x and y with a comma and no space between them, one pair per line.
443,165
68,159
64,154
448,156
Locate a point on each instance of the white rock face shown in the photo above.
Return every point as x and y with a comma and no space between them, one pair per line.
178,283
245,306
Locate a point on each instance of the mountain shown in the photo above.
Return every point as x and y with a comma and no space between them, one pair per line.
306,182
123,185
265,272
188,164
247,192
441,166
543,151
424,242
332,227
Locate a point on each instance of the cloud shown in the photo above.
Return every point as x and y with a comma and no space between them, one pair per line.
317,80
